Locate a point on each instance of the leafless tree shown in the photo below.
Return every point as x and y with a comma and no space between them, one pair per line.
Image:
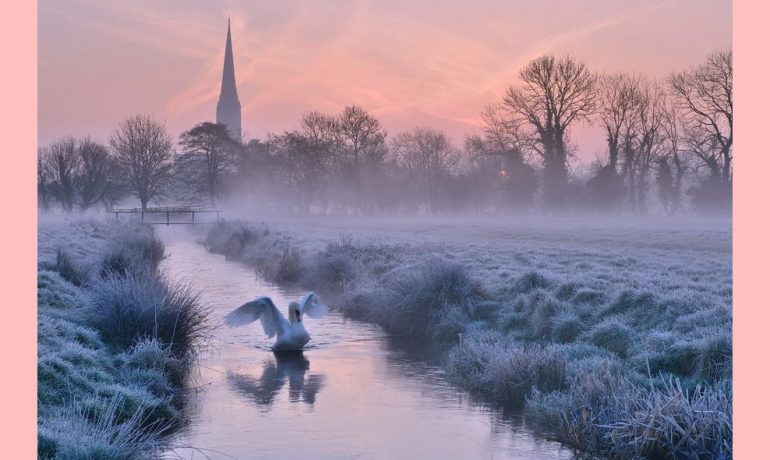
307,157
209,156
619,97
555,94
618,101
362,151
672,165
63,164
427,156
96,175
650,146
43,179
142,147
503,140
361,136
704,97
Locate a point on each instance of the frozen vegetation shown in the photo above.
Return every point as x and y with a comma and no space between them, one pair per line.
115,341
613,336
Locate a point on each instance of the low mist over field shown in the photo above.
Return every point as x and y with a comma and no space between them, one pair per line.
668,151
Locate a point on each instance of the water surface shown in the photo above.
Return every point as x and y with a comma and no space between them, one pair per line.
354,393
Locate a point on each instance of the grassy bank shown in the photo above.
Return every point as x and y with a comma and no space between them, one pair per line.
617,342
115,341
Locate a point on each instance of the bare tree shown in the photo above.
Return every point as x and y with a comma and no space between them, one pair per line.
142,147
704,96
427,156
619,97
43,179
95,177
362,153
361,136
210,155
63,164
503,140
304,165
672,162
555,94
651,111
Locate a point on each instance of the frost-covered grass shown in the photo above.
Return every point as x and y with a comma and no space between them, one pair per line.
109,373
615,336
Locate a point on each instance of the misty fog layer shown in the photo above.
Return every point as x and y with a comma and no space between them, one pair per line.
668,151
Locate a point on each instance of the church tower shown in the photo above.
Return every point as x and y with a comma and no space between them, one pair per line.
228,107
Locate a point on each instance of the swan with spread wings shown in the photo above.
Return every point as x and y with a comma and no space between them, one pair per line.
291,333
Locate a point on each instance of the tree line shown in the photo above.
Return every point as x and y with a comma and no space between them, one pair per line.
668,149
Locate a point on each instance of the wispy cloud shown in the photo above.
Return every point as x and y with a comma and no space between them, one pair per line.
430,62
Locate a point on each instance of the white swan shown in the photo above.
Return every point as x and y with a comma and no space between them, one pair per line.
292,335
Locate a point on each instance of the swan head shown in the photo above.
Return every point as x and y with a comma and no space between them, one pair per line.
295,314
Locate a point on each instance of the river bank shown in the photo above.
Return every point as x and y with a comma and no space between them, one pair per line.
354,392
614,339
115,341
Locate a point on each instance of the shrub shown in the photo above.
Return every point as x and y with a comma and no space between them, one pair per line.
131,250
543,307
507,371
679,359
630,301
588,296
66,266
529,282
289,265
715,357
613,336
230,238
566,327
504,370
77,433
416,299
129,308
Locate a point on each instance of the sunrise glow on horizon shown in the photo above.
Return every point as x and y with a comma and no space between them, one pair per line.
433,63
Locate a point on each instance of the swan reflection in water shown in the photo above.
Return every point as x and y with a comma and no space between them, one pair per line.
290,366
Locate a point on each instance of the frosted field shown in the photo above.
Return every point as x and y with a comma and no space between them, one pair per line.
663,255
614,335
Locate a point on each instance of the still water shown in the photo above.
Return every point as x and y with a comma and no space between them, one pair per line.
354,393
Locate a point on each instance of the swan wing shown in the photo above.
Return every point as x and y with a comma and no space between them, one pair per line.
262,309
311,305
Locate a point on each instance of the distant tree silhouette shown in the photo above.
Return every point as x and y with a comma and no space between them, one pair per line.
618,99
515,180
43,180
427,157
362,153
209,156
704,97
96,178
142,148
555,94
62,163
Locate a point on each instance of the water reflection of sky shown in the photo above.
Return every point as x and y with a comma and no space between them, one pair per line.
353,393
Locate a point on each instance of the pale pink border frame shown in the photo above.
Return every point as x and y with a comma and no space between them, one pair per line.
18,118
751,250
18,93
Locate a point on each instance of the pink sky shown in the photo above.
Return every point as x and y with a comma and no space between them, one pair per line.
410,63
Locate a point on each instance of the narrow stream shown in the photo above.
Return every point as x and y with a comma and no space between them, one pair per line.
352,394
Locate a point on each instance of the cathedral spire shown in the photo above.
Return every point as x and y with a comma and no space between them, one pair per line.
228,107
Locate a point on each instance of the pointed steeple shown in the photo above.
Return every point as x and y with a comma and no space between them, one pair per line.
228,107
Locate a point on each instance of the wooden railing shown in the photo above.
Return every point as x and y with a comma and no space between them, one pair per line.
147,214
